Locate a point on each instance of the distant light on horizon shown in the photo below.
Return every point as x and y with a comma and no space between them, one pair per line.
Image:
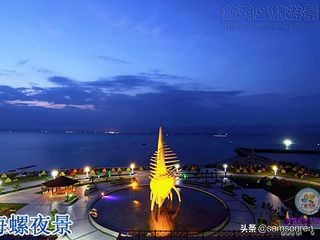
287,142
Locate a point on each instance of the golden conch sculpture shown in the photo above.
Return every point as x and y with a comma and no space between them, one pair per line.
162,174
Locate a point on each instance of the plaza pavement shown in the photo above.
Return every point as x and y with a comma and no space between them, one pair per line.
82,229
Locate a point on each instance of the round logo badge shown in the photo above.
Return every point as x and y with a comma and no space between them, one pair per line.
307,201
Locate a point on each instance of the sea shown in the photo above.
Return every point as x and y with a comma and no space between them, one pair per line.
60,150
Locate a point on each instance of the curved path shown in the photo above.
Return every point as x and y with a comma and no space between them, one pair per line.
82,229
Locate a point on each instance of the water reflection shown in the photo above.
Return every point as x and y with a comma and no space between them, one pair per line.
163,219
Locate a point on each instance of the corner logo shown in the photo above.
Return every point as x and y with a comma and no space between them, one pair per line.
307,201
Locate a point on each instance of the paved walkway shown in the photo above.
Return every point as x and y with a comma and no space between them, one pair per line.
82,229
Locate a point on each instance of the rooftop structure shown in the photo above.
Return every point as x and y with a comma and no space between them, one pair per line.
59,186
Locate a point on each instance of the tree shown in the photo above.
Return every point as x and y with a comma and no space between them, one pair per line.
92,178
52,218
16,186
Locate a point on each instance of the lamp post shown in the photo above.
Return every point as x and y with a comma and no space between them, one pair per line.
87,169
275,169
225,169
287,142
132,166
177,167
54,173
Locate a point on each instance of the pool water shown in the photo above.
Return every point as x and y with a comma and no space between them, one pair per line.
128,209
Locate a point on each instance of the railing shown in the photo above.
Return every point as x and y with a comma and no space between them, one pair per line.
193,235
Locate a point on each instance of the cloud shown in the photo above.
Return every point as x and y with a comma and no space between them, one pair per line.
127,82
147,31
50,105
31,91
164,76
111,59
108,102
43,70
22,62
63,81
51,29
120,84
7,72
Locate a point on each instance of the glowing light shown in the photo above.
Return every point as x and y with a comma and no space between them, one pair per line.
102,194
287,215
132,166
275,169
287,142
54,173
225,169
93,212
134,184
87,170
162,174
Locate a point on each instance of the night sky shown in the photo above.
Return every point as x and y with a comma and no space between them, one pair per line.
133,65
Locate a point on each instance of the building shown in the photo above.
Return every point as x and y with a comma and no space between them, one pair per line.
59,186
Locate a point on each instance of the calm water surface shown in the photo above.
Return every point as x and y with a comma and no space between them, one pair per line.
55,150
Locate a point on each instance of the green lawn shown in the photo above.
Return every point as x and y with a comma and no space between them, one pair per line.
285,194
24,179
6,207
12,205
288,193
285,175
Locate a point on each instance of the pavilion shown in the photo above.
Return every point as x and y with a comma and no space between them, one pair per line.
59,186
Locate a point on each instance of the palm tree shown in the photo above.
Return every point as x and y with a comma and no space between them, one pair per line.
52,219
16,186
92,178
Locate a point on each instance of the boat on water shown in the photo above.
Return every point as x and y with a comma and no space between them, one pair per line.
221,135
111,132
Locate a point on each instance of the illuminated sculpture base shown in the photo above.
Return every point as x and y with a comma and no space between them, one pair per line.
161,189
127,209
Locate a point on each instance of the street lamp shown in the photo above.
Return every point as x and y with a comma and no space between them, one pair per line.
275,169
87,169
177,167
132,166
287,142
225,169
54,173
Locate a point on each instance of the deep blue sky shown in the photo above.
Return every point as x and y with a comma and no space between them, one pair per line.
135,64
